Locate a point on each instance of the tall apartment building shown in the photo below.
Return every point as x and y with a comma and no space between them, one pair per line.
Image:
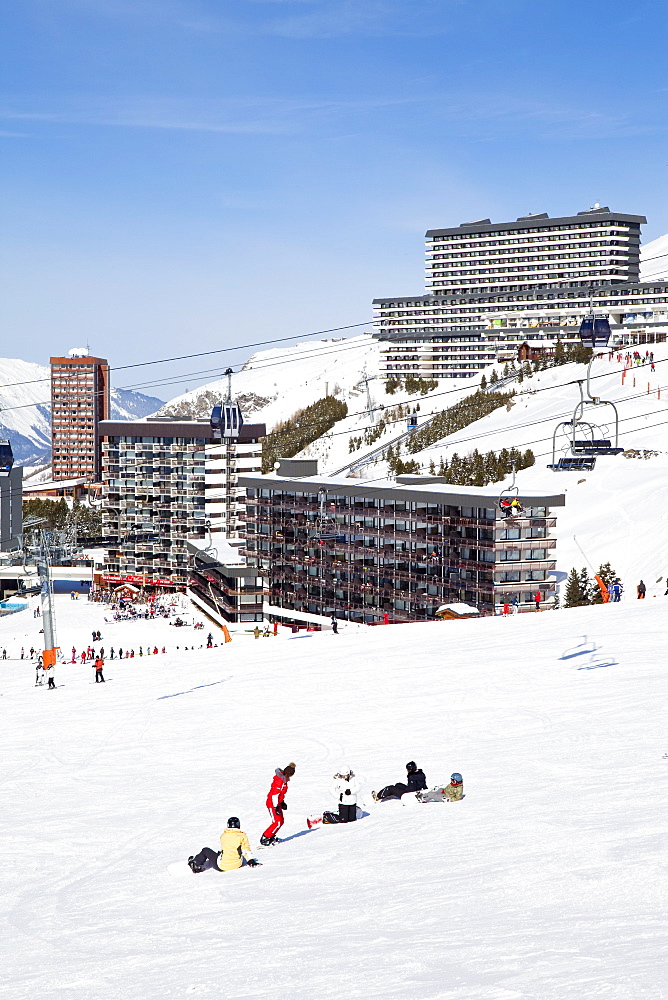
79,402
157,475
491,287
399,547
594,247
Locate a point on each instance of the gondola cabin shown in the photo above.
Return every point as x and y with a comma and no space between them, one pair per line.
226,421
6,458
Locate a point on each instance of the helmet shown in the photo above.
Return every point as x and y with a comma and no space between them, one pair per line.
456,778
344,772
411,766
233,822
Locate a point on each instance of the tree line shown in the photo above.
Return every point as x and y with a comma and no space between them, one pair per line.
303,428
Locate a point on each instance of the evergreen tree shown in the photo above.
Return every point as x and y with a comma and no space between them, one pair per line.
576,594
483,383
586,585
494,378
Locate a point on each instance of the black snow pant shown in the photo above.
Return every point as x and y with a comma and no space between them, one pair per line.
392,791
98,677
52,682
207,858
347,814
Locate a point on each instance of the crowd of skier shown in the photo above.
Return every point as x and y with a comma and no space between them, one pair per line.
235,848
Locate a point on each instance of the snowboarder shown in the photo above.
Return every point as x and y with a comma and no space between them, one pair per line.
235,849
642,590
276,804
448,793
344,788
99,666
415,782
209,641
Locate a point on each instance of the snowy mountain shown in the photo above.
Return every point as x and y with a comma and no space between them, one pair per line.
546,882
25,408
273,384
654,260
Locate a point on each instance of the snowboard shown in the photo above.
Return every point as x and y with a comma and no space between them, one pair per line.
179,869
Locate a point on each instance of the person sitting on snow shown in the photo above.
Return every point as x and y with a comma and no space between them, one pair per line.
235,850
415,782
444,793
344,788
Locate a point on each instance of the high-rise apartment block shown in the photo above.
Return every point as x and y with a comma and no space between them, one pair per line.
155,474
79,402
491,287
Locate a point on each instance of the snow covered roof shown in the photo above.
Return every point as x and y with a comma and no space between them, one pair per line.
430,488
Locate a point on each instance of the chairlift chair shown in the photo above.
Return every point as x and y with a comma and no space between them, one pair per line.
325,527
506,499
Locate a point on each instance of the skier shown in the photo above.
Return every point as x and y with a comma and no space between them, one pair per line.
235,849
335,626
448,793
276,804
515,605
616,592
415,782
642,590
209,641
538,597
344,788
99,666
52,677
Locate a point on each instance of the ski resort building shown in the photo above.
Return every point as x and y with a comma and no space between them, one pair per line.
401,548
155,484
79,402
492,287
225,590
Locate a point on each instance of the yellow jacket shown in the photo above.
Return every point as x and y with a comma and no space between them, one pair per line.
234,844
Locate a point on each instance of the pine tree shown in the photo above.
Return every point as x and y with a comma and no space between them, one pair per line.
586,585
575,595
432,467
483,383
494,378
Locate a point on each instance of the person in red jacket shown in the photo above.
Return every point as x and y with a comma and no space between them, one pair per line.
276,804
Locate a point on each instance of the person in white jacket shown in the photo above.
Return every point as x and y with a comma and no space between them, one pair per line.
345,788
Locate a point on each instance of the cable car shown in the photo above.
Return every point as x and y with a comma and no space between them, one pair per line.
6,458
226,420
595,331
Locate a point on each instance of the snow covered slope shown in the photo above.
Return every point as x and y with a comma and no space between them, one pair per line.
273,384
654,260
547,882
25,405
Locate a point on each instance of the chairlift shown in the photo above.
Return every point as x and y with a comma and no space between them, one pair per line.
509,503
587,436
325,527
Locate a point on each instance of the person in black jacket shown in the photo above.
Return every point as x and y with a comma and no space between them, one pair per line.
415,782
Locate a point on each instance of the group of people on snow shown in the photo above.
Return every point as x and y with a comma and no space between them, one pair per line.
235,849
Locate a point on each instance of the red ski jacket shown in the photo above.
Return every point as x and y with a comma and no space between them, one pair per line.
279,787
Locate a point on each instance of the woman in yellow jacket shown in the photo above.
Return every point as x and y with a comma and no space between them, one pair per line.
235,849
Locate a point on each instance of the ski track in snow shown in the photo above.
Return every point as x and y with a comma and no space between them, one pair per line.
548,881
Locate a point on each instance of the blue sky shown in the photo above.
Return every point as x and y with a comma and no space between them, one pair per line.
184,175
